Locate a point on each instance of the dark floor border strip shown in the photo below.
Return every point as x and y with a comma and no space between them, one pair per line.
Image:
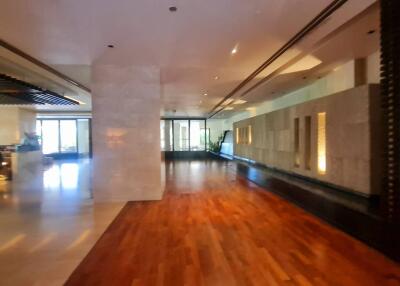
333,187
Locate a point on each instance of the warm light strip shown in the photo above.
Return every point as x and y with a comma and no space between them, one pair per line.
79,240
17,239
237,135
249,130
322,142
69,97
43,242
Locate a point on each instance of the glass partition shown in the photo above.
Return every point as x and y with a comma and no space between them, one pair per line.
181,135
64,136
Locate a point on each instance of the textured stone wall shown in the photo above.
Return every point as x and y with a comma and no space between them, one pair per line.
352,122
126,133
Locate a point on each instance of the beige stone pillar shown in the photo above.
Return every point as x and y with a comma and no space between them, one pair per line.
126,133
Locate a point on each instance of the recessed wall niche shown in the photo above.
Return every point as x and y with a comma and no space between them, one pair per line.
307,142
243,135
297,142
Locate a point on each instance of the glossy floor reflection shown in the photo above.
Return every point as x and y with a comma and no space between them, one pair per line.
48,223
214,227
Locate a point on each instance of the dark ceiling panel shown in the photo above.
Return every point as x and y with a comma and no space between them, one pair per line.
14,91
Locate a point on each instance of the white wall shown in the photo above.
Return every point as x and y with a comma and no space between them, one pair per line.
14,121
216,129
27,121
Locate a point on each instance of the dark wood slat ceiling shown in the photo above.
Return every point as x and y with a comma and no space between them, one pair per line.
14,91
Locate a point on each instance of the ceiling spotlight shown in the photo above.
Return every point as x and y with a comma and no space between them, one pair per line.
370,32
216,77
234,50
205,94
173,9
110,46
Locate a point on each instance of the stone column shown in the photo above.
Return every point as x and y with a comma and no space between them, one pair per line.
126,133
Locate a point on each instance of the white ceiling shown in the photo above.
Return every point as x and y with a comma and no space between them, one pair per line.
191,46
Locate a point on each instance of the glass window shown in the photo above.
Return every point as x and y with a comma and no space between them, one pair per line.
208,141
166,135
83,136
197,135
181,135
68,136
50,136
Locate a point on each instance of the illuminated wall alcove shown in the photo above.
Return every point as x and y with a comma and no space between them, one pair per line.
321,143
243,135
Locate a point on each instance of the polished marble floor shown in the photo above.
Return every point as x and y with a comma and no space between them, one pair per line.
48,223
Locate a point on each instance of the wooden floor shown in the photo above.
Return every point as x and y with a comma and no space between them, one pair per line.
216,228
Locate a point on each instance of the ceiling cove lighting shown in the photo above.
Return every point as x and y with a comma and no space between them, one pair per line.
69,97
239,101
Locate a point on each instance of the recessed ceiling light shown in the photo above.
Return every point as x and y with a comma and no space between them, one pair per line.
216,77
234,50
110,46
205,94
173,9
239,101
370,32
